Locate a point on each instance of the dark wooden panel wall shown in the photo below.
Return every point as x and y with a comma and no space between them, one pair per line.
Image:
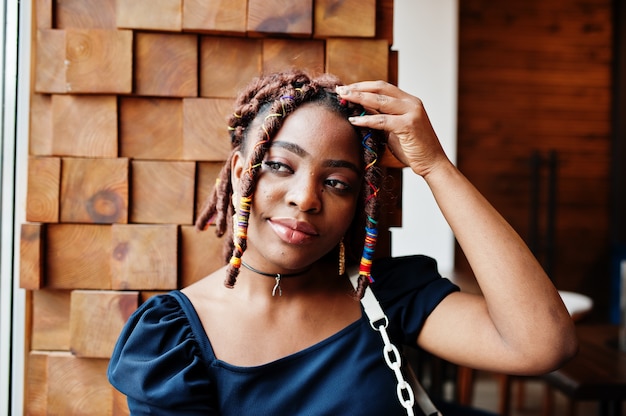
128,129
535,76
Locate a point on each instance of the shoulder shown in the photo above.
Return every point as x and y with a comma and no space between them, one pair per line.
398,276
158,357
409,289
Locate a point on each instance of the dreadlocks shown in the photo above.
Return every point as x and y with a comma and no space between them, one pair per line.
268,100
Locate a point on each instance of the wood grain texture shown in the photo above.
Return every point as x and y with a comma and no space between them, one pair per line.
144,135
99,61
120,404
144,257
31,256
207,173
40,141
369,59
96,320
345,18
206,138
78,386
36,388
50,328
166,15
215,16
166,65
84,125
43,14
78,256
282,54
42,198
201,254
384,20
50,61
88,14
94,191
536,76
294,18
227,64
162,192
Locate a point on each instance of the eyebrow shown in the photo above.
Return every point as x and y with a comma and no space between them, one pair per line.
331,163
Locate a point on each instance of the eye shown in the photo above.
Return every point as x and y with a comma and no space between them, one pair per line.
276,167
338,185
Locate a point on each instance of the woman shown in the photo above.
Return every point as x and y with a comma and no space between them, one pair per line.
285,334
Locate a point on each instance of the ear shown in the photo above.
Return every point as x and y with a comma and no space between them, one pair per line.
236,170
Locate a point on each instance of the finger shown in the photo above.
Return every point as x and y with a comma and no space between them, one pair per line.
375,121
377,87
377,96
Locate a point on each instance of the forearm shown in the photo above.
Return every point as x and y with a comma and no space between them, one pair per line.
523,305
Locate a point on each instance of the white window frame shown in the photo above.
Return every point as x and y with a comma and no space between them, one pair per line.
15,20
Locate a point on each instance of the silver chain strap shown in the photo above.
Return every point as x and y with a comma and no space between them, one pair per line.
394,361
379,322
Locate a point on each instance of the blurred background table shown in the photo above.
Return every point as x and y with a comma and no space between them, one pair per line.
597,373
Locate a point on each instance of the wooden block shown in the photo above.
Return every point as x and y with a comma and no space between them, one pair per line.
99,61
206,138
94,190
384,20
40,142
78,256
144,257
228,64
345,18
201,254
208,172
83,61
50,61
144,135
369,59
280,54
87,14
50,320
150,14
31,256
78,386
120,404
393,68
219,16
162,192
166,65
293,18
42,198
144,295
84,125
43,14
96,320
36,384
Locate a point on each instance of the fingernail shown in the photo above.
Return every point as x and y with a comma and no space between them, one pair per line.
342,90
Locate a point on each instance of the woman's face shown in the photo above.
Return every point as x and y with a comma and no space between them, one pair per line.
307,190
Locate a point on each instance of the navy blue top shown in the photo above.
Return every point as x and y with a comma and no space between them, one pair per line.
164,363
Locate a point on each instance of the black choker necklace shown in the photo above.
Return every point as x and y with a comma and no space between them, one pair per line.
276,276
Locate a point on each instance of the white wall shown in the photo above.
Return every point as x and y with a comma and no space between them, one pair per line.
425,36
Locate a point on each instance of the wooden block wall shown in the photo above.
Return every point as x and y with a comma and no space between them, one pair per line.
127,135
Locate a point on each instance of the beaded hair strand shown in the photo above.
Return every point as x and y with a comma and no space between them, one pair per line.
266,102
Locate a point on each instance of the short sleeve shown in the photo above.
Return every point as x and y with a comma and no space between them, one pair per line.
158,364
409,289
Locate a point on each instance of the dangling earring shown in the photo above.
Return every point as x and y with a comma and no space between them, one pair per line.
342,257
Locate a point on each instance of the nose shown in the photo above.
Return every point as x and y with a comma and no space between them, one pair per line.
306,195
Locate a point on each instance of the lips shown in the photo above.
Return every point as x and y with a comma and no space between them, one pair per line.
293,231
